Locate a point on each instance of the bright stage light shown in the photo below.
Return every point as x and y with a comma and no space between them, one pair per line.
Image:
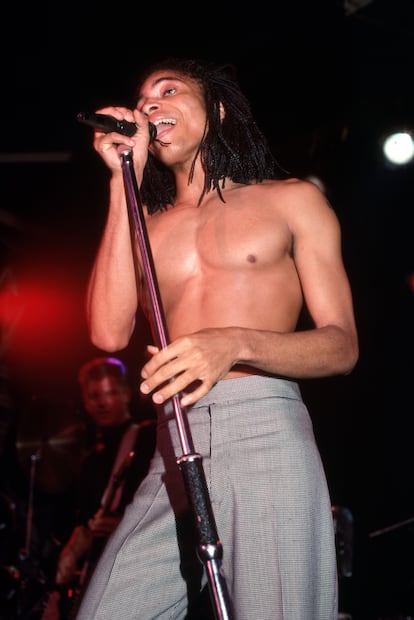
398,147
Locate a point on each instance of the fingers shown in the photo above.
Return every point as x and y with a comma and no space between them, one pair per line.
171,371
101,525
108,143
131,116
167,390
194,363
192,397
104,142
66,569
162,368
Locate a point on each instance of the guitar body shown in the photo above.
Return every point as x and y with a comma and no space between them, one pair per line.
74,596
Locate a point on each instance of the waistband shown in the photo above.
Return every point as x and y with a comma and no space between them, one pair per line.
252,386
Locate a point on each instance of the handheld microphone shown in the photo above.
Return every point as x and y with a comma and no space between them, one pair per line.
107,123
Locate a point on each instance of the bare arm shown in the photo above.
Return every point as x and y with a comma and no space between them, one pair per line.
72,553
112,297
332,347
112,294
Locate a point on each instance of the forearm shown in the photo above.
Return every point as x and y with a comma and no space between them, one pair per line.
206,356
327,351
72,553
112,287
80,541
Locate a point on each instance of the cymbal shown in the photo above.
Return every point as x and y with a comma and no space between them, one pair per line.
50,445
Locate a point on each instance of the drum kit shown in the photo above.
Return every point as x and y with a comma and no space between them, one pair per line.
50,444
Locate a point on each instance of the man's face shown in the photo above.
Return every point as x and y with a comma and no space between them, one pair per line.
106,401
175,104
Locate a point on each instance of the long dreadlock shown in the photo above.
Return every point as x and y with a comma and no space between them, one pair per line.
233,147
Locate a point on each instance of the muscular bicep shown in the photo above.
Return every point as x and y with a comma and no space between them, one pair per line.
318,259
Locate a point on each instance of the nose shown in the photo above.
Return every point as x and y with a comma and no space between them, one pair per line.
149,106
101,400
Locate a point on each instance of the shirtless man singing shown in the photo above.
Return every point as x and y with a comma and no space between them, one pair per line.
239,251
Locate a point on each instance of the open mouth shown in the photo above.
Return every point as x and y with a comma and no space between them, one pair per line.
163,125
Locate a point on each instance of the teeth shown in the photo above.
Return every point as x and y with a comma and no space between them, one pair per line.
165,121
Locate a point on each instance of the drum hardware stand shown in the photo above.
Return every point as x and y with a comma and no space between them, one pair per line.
30,572
391,528
209,549
29,522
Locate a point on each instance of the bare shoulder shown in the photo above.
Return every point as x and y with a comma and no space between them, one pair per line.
301,202
295,190
297,202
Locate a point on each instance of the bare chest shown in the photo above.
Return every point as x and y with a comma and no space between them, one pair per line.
196,241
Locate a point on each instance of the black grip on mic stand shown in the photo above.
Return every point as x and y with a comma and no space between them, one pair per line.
107,123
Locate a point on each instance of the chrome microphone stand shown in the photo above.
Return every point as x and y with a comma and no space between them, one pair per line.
210,551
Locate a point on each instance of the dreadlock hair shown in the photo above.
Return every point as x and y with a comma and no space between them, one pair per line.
232,147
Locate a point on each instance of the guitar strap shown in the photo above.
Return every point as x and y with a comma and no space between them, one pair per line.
126,445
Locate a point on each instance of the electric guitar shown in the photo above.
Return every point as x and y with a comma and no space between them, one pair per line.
67,598
95,552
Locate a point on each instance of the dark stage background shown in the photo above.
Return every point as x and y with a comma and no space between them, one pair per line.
326,80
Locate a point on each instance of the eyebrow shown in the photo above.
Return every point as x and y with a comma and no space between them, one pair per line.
163,78
166,78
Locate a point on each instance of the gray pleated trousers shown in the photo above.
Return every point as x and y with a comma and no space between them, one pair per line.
271,506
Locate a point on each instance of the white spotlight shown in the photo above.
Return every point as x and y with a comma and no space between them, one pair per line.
398,147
